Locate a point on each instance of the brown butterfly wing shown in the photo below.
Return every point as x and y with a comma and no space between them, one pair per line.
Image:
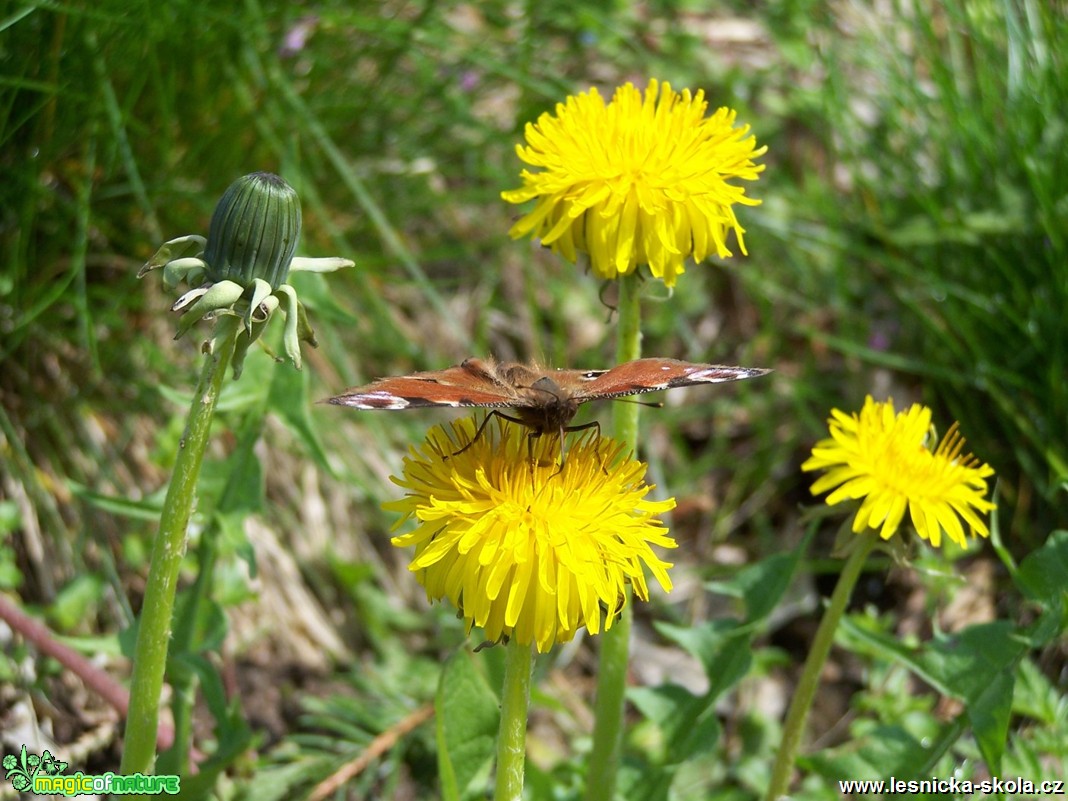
463,385
652,375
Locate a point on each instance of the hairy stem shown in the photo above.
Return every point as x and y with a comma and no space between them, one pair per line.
150,657
512,738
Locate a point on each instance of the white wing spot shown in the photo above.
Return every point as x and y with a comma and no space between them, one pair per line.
380,400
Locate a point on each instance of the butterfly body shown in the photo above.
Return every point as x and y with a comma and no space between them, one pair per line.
545,400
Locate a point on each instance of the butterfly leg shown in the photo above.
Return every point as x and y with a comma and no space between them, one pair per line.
572,430
482,427
583,427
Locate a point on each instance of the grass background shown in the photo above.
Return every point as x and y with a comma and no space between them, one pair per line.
912,242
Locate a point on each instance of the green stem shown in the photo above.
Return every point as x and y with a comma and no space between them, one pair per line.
183,641
512,738
150,657
188,619
628,348
794,726
615,643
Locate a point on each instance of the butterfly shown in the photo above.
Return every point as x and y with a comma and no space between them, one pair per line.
544,400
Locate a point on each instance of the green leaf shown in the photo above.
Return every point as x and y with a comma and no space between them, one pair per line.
10,575
762,585
210,627
147,509
289,399
467,722
1037,697
688,721
10,518
1043,574
722,646
644,783
98,645
964,664
975,666
76,601
232,733
989,713
884,751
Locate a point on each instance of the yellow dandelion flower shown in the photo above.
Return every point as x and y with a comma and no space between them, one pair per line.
523,548
641,180
887,460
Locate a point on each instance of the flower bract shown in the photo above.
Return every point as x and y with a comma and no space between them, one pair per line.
643,179
890,462
525,548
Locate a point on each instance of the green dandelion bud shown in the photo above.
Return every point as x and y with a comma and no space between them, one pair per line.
254,231
243,265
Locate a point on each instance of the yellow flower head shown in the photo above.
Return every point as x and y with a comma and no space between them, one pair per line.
642,180
524,549
887,459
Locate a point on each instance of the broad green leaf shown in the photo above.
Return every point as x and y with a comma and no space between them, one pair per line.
722,646
976,666
762,585
688,721
884,751
644,783
1043,574
467,722
989,713
76,601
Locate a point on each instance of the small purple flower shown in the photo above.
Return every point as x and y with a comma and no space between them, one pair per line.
297,36
469,80
879,340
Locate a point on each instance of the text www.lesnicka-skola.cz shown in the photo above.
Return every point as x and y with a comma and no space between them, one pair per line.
891,786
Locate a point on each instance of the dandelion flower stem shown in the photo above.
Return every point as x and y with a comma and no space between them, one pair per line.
608,725
615,644
794,726
150,657
628,348
511,742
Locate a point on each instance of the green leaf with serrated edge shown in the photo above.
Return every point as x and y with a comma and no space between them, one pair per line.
1035,695
978,664
975,666
466,725
963,665
883,751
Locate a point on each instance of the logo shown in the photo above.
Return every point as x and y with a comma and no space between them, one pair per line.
30,773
